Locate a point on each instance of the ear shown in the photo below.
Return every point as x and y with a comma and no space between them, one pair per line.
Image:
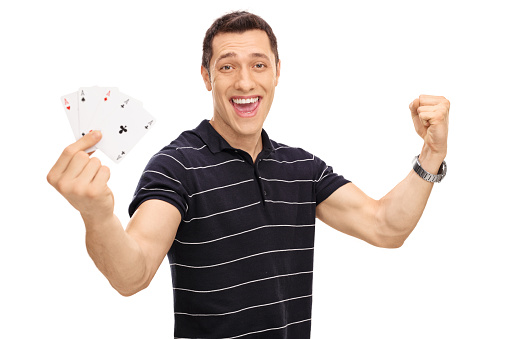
206,78
278,71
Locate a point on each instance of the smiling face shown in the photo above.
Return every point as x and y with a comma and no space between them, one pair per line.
243,78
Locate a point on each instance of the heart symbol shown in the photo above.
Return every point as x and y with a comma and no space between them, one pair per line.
68,107
105,99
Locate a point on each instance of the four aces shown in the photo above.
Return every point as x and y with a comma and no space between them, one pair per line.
121,119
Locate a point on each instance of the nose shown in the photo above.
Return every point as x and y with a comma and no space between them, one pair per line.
244,81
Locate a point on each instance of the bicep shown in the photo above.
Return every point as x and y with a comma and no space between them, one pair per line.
154,226
352,212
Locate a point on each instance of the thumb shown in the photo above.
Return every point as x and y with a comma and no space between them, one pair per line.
88,140
418,125
414,105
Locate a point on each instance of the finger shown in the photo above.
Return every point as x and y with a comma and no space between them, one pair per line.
90,170
76,166
426,109
102,176
437,113
426,114
65,158
431,100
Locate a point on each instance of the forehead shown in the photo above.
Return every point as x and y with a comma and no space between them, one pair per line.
248,42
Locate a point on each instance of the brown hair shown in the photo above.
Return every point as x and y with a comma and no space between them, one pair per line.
236,22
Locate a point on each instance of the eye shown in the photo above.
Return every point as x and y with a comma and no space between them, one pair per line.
260,66
226,68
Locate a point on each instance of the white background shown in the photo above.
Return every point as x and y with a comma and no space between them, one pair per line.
349,71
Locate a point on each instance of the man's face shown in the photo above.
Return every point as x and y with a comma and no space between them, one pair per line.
243,78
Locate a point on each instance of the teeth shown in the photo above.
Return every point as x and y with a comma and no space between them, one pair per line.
245,101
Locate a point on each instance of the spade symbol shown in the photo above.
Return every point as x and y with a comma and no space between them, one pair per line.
122,105
83,99
122,129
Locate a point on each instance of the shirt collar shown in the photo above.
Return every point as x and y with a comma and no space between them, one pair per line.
216,143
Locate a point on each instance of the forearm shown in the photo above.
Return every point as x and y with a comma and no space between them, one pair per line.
403,206
116,254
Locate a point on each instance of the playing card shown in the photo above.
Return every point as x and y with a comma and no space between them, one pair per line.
107,106
122,122
70,103
89,99
121,118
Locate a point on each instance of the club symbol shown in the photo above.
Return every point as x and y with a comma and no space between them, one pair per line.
122,129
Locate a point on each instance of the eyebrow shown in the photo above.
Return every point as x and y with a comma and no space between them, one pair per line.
234,55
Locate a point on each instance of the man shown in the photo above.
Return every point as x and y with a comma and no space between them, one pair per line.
234,210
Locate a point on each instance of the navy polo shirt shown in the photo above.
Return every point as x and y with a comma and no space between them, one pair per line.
242,258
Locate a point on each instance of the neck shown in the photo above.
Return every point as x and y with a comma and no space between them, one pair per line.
251,144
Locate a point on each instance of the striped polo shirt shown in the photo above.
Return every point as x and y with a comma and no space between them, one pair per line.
242,258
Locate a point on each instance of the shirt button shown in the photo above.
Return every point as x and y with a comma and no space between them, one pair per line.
265,193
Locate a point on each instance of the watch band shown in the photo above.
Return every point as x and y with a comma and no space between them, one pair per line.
428,176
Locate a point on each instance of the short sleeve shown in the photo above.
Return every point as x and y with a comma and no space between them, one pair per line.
327,181
162,179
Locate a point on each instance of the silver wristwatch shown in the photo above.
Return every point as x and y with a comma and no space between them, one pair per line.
428,176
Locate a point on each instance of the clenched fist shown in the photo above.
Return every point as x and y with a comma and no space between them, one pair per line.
82,180
430,115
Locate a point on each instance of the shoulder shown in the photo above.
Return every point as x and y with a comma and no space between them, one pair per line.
187,145
299,160
283,152
186,140
291,161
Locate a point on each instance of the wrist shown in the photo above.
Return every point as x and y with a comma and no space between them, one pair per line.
430,160
98,223
428,176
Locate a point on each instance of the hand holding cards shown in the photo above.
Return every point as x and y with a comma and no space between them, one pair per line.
120,118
